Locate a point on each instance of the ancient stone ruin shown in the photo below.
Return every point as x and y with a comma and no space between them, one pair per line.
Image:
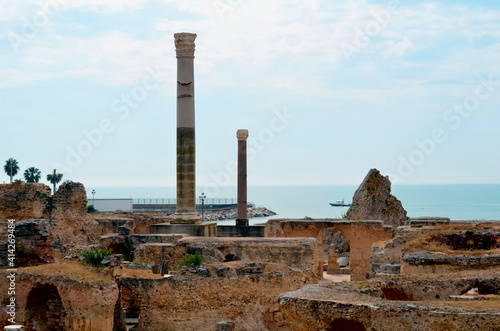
121,271
431,274
373,201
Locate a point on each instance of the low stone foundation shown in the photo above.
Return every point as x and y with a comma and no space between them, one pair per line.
438,263
364,306
428,221
294,252
240,231
200,230
154,253
137,223
199,298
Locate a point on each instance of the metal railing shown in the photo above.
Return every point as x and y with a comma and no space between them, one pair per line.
173,201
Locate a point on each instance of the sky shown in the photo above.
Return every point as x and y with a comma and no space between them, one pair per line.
327,89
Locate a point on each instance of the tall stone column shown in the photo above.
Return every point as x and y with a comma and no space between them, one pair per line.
242,219
186,183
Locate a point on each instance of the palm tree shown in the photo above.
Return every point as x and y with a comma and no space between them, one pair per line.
54,178
11,168
32,175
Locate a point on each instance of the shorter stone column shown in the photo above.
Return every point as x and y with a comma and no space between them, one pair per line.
242,219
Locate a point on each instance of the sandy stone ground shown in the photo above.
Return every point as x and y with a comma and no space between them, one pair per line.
334,278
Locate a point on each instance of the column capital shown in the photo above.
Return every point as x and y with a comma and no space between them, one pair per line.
242,134
184,44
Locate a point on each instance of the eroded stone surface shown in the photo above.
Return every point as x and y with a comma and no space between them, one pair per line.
23,201
44,221
33,243
325,307
361,236
69,221
293,252
373,201
70,297
189,300
138,223
436,262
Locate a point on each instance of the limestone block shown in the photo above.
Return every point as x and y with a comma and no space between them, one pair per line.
33,243
373,201
22,201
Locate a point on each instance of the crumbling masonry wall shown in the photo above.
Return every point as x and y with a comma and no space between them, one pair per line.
197,299
361,236
44,221
301,253
87,305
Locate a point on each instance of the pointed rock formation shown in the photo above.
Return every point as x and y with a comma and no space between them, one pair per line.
373,201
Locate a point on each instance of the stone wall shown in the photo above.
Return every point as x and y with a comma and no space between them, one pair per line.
294,252
137,223
33,244
439,263
153,253
386,256
347,307
197,299
86,304
240,231
437,249
361,236
66,210
69,220
22,201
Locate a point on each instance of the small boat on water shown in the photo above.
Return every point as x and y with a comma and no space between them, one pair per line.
340,203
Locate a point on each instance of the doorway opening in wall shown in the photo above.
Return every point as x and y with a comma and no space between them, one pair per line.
45,310
336,256
131,304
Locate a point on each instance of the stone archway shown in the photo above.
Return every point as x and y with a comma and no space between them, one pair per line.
336,249
361,236
45,310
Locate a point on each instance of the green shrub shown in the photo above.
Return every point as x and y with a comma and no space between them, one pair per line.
96,255
191,259
128,249
91,209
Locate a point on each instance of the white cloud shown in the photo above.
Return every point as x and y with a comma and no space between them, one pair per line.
104,7
399,48
14,77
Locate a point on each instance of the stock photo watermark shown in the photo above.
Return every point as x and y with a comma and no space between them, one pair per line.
454,118
223,7
11,272
32,26
371,29
278,123
122,108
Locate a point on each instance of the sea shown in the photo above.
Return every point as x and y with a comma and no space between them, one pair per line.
457,201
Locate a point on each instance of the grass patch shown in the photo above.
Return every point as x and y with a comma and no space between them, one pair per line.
70,269
96,255
191,259
428,242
